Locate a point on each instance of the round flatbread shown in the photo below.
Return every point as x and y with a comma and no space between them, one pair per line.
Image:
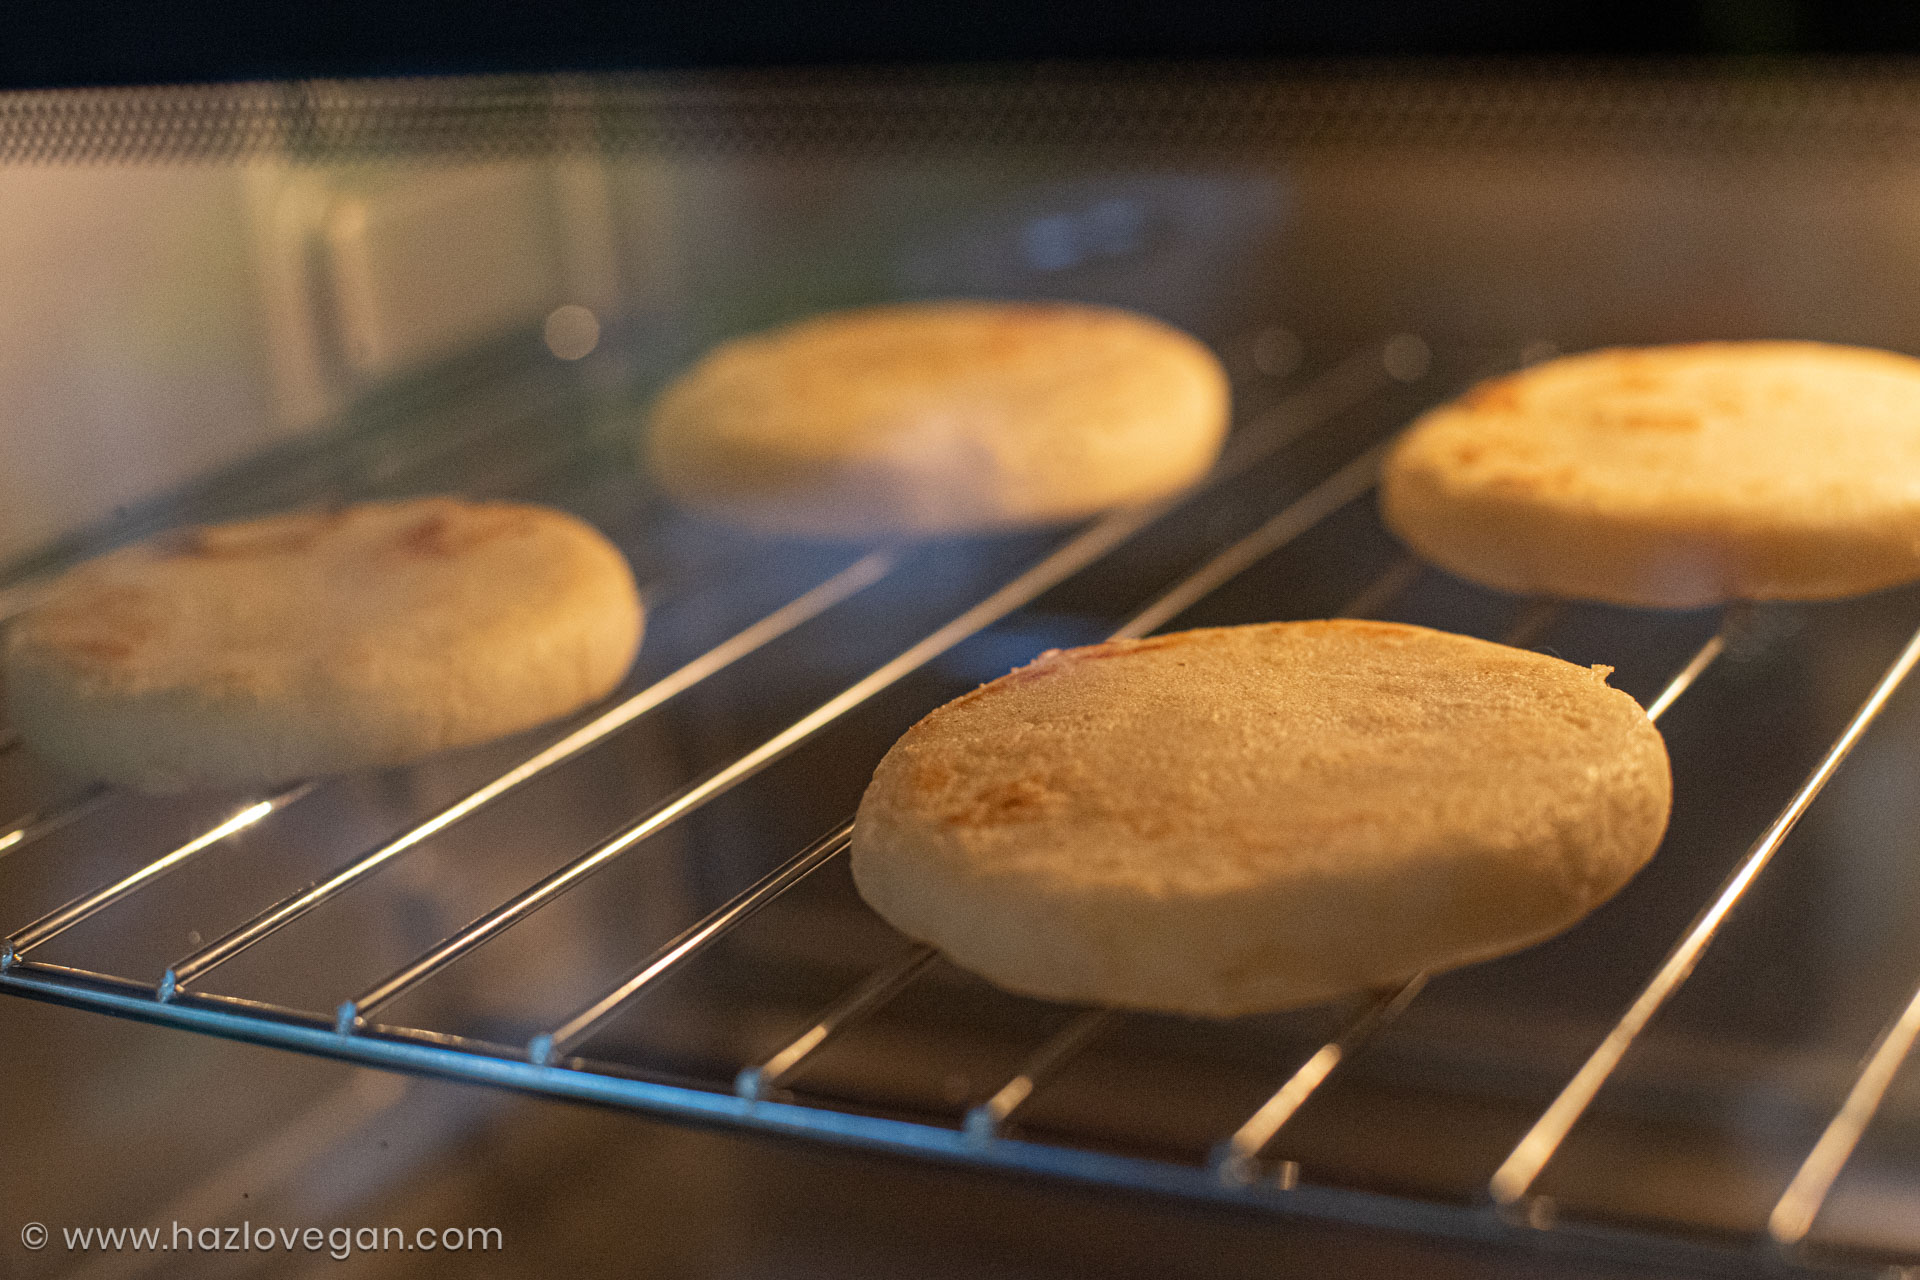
299,645
1673,476
1252,818
939,418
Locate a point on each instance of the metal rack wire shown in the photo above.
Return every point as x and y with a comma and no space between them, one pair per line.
1237,1170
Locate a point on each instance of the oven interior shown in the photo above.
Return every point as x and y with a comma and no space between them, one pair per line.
249,298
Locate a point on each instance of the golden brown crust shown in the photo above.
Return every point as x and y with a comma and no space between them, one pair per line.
1249,818
1673,476
298,645
939,417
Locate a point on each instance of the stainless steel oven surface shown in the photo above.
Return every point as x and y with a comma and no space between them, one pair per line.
234,300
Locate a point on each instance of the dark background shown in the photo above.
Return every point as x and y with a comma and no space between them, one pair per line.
47,43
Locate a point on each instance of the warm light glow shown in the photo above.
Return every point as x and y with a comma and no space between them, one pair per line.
1276,351
1407,357
572,331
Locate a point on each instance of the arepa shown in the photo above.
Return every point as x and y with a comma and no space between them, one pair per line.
252,654
1673,476
939,418
1240,819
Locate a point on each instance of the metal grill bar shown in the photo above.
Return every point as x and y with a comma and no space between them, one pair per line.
30,969
1518,1172
690,943
1794,1215
1342,487
33,826
1696,666
1383,590
985,1121
858,576
1237,1159
878,988
1705,656
57,922
1347,384
1077,553
234,1016
1346,484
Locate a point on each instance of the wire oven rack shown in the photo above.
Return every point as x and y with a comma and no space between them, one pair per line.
1305,462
